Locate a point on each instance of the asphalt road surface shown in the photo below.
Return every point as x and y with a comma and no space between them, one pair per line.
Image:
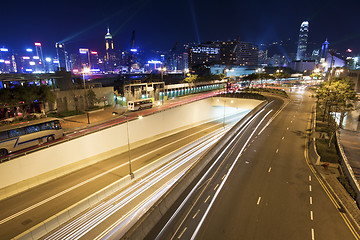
262,187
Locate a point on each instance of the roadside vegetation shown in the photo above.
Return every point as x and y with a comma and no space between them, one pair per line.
274,91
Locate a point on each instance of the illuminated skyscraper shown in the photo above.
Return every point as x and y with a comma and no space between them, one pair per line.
303,37
110,52
62,56
324,50
39,54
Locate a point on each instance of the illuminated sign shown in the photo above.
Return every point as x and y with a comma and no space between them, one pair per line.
38,44
154,62
29,50
93,52
4,49
48,59
56,61
26,58
349,50
207,50
32,63
133,50
36,57
83,50
2,60
28,70
7,62
75,70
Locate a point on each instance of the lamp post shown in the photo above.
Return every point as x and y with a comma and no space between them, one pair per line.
128,141
85,70
224,114
163,84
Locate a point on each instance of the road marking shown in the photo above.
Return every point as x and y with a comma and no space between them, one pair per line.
216,186
182,233
223,177
310,188
258,202
311,215
196,213
287,128
269,169
207,199
310,200
310,178
291,121
277,150
282,138
312,234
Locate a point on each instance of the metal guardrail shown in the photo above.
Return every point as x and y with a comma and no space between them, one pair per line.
347,169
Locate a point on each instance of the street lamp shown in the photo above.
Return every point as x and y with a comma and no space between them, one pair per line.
163,84
86,70
128,140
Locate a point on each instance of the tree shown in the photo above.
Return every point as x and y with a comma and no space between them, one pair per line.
191,78
336,96
92,97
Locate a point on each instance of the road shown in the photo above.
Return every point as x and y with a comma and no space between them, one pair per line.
262,187
27,209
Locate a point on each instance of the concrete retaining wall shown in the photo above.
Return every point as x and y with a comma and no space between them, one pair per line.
38,167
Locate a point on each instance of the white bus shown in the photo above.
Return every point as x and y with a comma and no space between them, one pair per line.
140,104
24,135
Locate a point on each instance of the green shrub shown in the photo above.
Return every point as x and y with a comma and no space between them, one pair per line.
327,154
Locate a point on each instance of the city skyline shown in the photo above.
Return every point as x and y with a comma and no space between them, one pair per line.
160,25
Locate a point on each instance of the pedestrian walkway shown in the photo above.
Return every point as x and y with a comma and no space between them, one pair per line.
95,117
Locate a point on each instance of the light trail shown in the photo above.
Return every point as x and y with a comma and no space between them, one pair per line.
80,226
200,182
101,175
227,176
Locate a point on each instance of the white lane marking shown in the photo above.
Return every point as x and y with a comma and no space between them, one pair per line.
287,128
277,150
312,234
310,200
310,178
223,177
269,169
291,121
207,199
216,186
227,175
282,138
182,232
271,119
196,213
310,188
258,201
311,215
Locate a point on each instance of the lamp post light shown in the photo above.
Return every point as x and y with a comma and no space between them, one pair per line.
86,70
128,141
163,84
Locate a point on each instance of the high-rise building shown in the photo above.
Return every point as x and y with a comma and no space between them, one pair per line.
40,57
109,51
225,53
303,38
324,50
62,56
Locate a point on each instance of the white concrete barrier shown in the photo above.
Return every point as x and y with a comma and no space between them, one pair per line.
38,167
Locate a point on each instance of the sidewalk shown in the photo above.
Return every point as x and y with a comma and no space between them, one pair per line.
95,117
350,141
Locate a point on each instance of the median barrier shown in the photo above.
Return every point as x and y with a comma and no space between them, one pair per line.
148,221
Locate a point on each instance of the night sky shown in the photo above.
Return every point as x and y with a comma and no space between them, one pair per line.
160,24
